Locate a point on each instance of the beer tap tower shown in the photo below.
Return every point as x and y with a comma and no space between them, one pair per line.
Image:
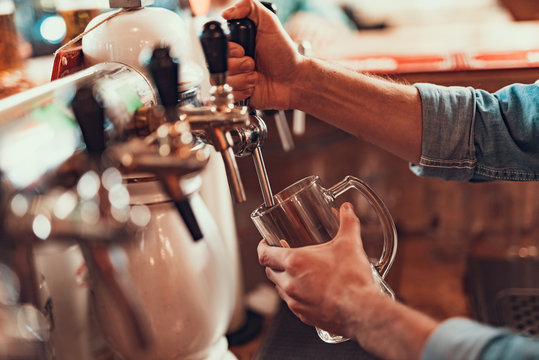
148,239
126,38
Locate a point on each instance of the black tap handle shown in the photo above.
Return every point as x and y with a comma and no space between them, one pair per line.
243,32
188,216
215,45
91,118
270,6
165,69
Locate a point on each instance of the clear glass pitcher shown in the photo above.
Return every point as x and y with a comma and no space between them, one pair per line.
305,213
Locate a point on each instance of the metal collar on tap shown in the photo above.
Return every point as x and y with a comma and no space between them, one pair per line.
129,3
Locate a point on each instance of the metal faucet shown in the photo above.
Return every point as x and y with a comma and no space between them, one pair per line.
248,141
215,121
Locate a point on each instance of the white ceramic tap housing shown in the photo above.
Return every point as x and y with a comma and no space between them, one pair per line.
198,284
183,286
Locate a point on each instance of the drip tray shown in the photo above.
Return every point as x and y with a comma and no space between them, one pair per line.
289,338
519,309
505,292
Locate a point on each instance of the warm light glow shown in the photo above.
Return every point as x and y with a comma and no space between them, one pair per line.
523,252
7,7
162,131
53,29
203,154
187,137
182,127
88,185
19,205
30,152
111,177
65,204
41,227
120,215
119,196
9,286
90,212
200,7
164,150
140,215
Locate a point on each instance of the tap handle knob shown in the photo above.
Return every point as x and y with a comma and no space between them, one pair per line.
165,69
215,45
243,32
91,118
270,6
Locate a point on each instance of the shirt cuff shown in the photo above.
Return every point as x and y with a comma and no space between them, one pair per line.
459,339
447,145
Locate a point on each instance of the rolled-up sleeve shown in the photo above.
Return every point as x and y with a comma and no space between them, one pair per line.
473,135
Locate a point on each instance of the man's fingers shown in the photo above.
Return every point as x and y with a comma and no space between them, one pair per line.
296,306
243,94
271,256
288,286
242,65
243,81
235,50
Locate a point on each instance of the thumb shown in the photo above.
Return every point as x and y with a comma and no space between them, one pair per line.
243,9
350,226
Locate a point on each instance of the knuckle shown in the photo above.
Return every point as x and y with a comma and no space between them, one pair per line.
294,306
293,263
263,258
291,289
269,274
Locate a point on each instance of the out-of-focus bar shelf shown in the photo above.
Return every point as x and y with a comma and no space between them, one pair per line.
483,54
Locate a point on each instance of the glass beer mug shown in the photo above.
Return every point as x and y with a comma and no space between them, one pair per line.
305,213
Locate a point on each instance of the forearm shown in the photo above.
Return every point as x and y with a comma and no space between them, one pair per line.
381,112
395,331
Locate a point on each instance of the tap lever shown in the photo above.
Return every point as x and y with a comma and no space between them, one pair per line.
186,211
304,48
215,45
283,129
121,288
270,6
243,32
171,183
287,141
165,69
91,118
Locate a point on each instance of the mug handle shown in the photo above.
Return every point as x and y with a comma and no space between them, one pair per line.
389,231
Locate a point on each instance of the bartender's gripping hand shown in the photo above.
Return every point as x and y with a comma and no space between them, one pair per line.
271,80
324,284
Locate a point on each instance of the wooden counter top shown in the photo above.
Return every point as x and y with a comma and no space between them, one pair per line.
486,55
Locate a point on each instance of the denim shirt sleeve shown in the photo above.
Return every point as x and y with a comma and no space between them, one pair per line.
462,339
473,135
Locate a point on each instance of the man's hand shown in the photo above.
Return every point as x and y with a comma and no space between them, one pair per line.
269,82
324,284
331,286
